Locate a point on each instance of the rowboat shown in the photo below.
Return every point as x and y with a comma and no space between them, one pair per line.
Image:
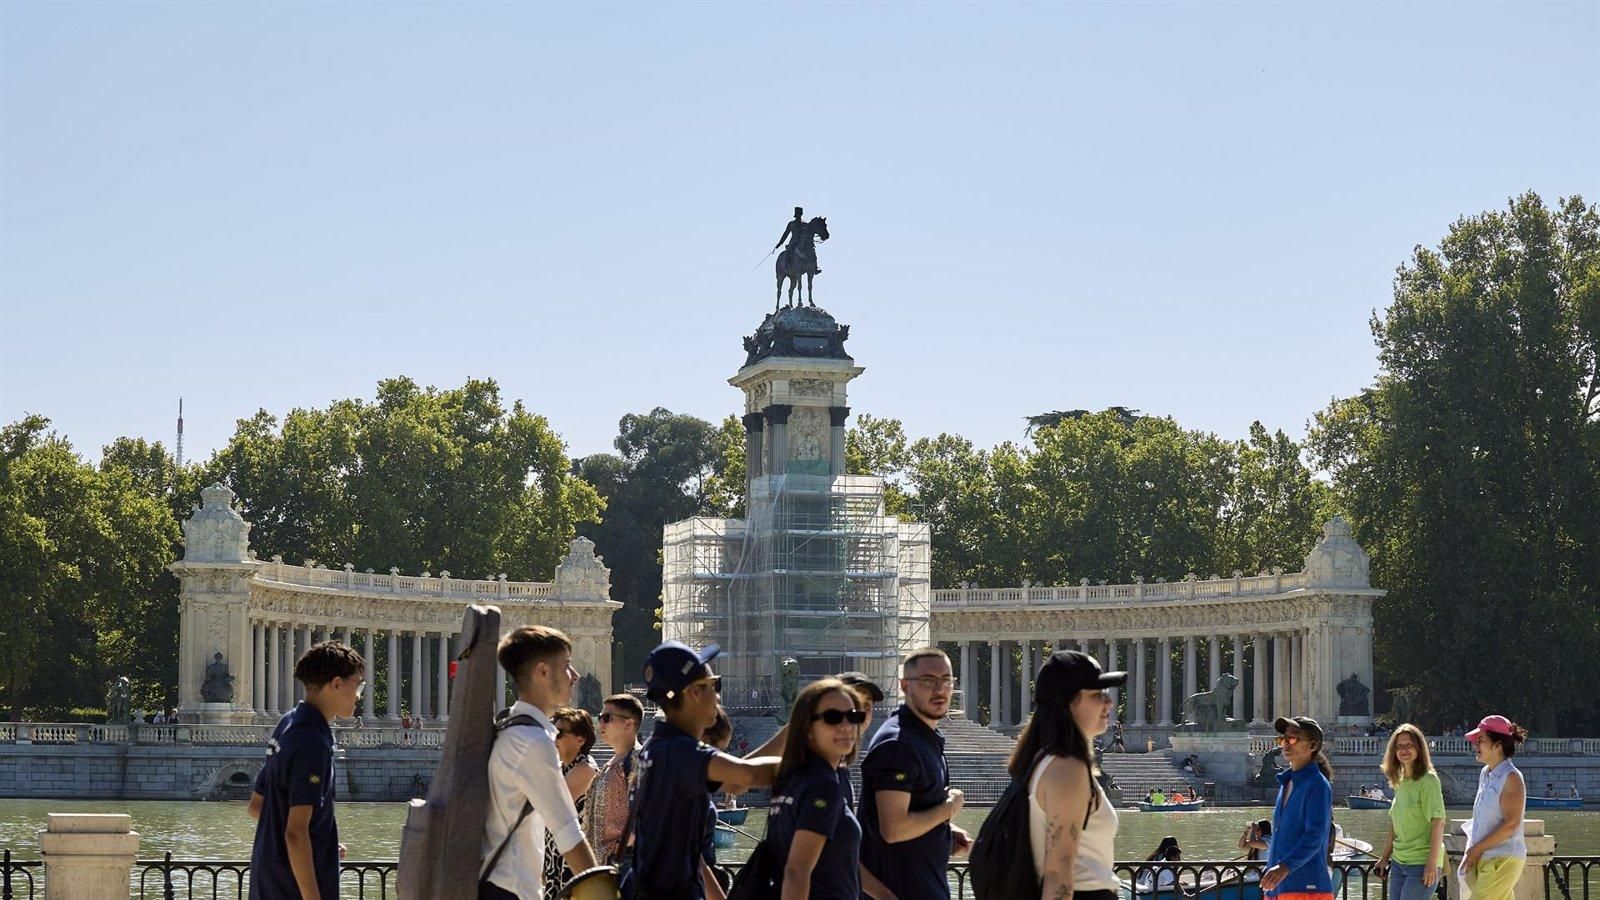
1355,801
1187,806
1555,803
723,837
734,816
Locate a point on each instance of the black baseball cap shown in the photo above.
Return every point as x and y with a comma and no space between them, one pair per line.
860,680
673,666
1066,672
1304,723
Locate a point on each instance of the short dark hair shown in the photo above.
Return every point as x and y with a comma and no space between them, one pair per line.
326,661
529,645
1508,742
628,703
922,653
579,721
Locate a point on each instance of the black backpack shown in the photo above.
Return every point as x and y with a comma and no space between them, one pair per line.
1001,860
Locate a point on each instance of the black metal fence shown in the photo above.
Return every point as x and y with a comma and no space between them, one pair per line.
1565,878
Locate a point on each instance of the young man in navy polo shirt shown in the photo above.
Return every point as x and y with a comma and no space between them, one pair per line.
297,849
678,773
907,803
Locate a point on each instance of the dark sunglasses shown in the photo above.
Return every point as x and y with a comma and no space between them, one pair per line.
608,718
840,716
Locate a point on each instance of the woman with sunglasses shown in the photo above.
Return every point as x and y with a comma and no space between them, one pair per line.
1302,817
1413,851
1072,826
575,737
1496,848
811,827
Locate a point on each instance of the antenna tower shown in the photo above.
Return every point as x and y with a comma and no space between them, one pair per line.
180,432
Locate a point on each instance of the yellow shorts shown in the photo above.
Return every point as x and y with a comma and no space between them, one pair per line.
1496,877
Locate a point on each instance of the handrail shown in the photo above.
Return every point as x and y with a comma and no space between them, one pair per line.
1140,591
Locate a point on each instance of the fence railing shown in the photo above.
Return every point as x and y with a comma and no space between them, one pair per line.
1446,746
1565,878
1190,588
395,583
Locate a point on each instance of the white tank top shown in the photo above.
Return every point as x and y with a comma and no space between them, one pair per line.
1097,847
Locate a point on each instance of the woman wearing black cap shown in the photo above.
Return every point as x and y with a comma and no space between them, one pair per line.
1071,824
1302,817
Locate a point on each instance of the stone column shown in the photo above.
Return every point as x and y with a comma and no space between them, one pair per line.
273,698
1214,644
416,674
258,663
754,425
370,653
836,418
393,710
1111,666
302,643
500,701
1258,681
778,438
1190,660
1139,704
1280,670
88,855
1026,683
1238,676
286,666
994,683
1164,674
1005,683
1297,675
343,637
442,677
969,682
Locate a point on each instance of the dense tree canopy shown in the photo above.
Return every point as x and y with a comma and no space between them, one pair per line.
1472,469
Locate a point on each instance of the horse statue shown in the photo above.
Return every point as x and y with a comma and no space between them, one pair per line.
800,258
1208,710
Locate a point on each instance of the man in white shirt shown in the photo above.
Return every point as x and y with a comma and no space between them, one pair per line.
525,770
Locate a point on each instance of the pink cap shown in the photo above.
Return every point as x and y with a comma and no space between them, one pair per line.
1496,724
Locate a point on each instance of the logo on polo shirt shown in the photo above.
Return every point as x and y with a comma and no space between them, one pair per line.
820,803
899,776
316,779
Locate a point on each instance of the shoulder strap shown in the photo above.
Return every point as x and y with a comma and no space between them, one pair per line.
633,803
501,724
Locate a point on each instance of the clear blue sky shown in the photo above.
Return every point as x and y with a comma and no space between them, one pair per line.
1189,209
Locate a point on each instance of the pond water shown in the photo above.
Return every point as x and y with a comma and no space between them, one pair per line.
222,830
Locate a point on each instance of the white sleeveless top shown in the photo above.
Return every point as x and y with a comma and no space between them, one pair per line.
1097,847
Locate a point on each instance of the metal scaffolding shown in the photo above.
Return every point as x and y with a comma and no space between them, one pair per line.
817,573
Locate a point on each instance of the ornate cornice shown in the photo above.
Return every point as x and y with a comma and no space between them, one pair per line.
1180,619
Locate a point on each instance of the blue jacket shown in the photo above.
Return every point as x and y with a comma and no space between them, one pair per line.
1302,827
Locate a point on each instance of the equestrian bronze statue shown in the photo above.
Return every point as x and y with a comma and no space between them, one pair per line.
800,256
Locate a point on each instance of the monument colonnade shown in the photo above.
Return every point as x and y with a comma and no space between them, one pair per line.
1292,638
243,623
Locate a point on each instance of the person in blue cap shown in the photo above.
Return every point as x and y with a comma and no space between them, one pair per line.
678,772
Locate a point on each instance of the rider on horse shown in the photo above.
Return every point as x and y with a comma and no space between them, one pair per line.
802,246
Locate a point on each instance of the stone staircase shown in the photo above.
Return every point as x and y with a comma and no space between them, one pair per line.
1137,773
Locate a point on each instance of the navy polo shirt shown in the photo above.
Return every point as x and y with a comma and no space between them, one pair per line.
848,788
675,814
906,755
811,800
298,772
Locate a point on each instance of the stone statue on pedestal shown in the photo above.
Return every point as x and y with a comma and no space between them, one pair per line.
218,686
800,257
1269,765
790,682
1353,697
119,702
1208,711
587,696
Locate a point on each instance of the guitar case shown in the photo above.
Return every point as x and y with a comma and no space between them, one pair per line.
441,847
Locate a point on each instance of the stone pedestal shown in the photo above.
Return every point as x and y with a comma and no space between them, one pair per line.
221,714
1224,756
1541,847
88,855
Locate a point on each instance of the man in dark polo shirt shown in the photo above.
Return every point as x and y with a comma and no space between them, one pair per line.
907,803
297,849
678,772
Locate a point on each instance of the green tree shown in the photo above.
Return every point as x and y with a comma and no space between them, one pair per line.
1275,507
875,446
1471,469
665,469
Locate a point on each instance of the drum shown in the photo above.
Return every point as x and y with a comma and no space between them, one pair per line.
598,883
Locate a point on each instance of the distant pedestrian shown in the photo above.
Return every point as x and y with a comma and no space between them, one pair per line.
1256,842
1072,825
296,851
606,810
1302,816
1496,850
1413,850
1117,745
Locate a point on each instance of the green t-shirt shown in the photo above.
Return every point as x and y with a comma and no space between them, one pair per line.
1417,802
